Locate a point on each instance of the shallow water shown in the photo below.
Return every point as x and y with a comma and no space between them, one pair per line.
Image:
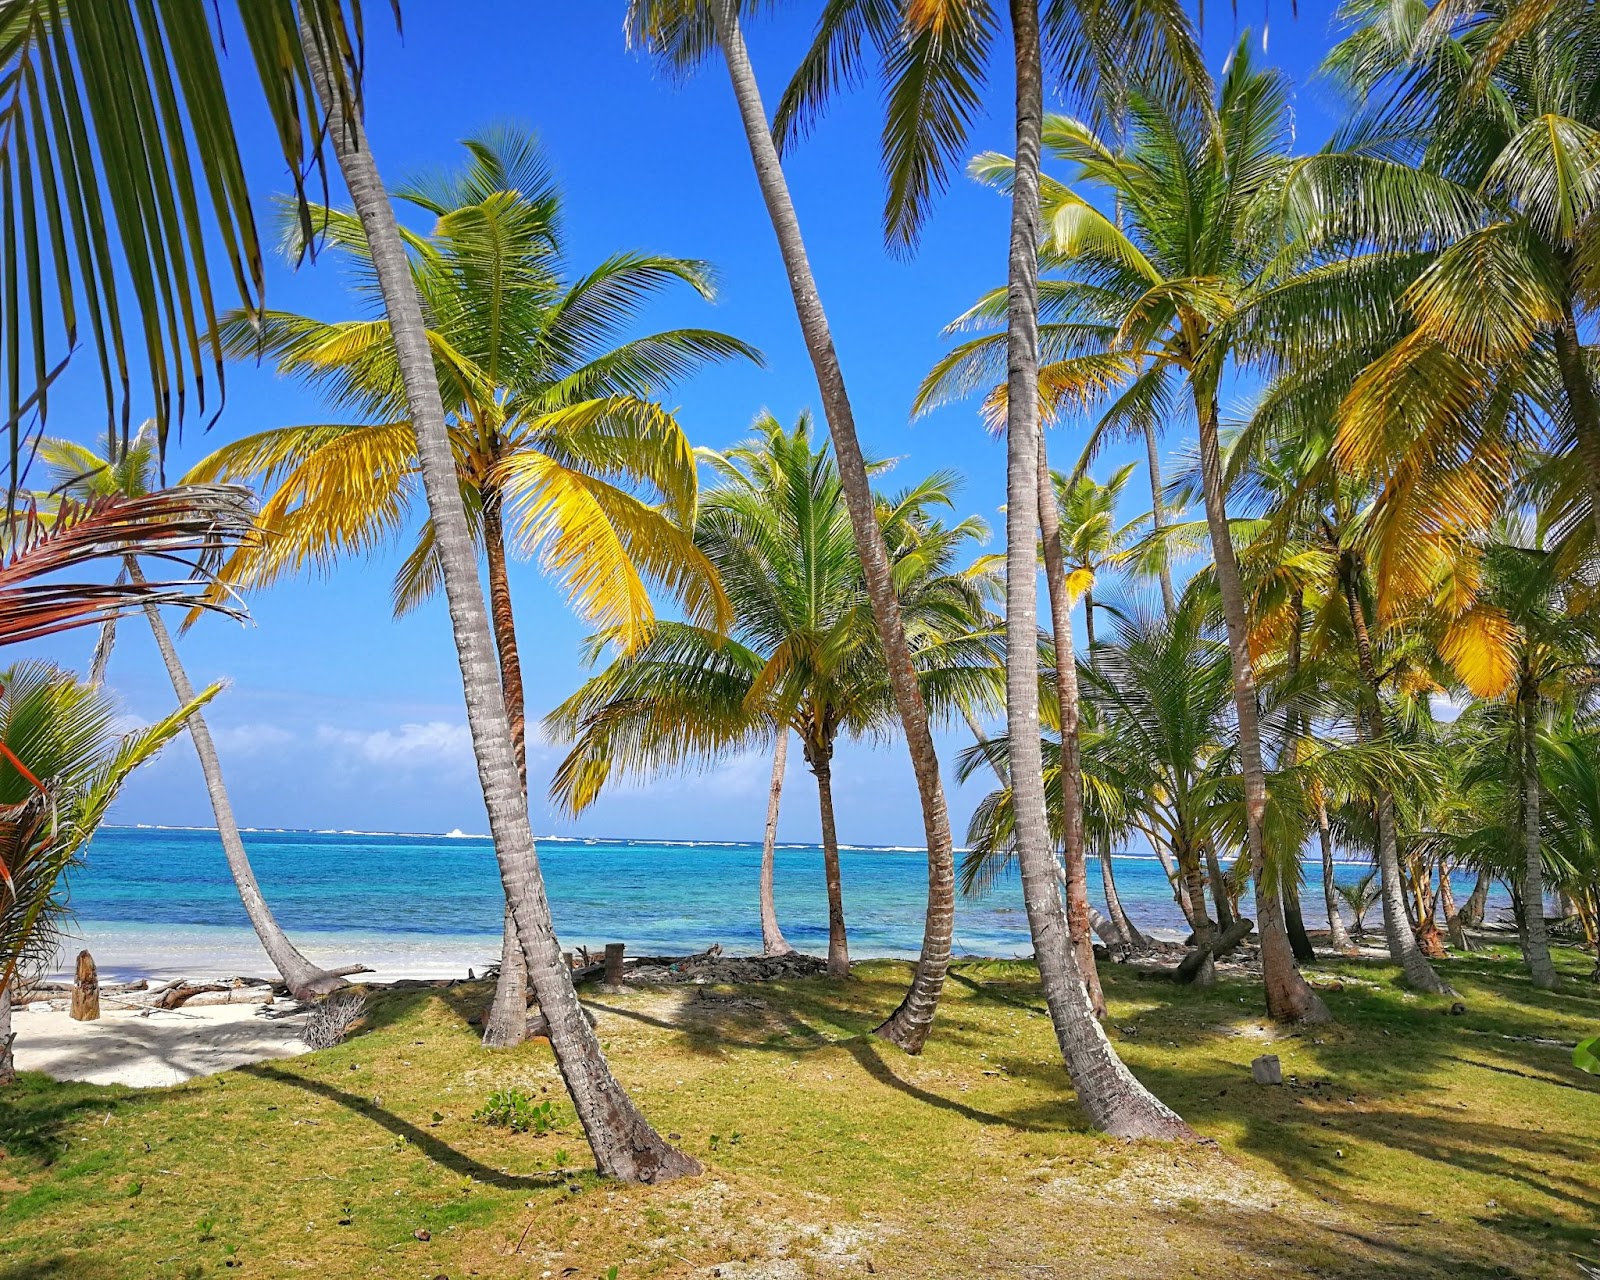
160,900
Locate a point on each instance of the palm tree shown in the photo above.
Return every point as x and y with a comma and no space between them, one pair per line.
1189,281
1557,660
549,413
804,655
111,191
624,1144
683,33
62,764
80,472
1494,107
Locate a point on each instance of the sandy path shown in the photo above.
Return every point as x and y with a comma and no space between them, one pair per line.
167,1047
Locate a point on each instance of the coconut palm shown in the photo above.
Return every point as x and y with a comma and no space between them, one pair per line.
1360,896
62,763
1191,281
103,177
1494,107
622,1140
80,472
804,656
550,416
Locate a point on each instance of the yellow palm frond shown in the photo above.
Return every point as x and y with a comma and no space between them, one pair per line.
1480,644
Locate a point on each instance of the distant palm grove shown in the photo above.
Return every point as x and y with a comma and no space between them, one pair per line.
1343,606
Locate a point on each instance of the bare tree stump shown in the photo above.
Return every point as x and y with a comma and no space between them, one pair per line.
614,952
86,990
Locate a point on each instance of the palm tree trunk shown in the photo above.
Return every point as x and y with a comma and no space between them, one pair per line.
1397,931
1338,936
773,943
1175,878
1158,515
1289,999
1425,916
506,1023
1477,901
909,1024
1204,929
821,760
1074,861
624,1144
1220,896
1295,922
1536,948
1573,366
303,978
1127,934
8,1062
1108,1092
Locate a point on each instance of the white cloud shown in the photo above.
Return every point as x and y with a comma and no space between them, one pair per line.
409,746
249,739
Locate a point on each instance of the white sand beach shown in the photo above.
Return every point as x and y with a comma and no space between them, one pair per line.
152,1048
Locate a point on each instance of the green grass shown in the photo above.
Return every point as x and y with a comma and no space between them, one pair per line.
1406,1142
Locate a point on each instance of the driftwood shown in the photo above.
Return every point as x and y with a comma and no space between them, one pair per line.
86,990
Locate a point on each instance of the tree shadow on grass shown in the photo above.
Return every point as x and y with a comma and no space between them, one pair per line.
37,1109
430,1145
59,1267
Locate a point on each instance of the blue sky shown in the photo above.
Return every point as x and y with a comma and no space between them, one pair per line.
338,716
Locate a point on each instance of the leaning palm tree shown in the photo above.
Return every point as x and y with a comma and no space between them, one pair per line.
551,418
804,656
105,135
82,473
62,763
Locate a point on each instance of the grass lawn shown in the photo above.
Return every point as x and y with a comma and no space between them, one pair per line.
1405,1142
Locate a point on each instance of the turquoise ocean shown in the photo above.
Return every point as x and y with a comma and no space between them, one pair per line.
159,901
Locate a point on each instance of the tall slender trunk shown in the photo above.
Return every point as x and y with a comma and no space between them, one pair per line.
1108,1092
506,1023
821,761
1338,935
1573,367
1074,861
8,1061
1536,948
1397,931
1088,624
1297,726
624,1144
1448,909
773,943
1289,999
909,1024
1158,516
1425,917
304,979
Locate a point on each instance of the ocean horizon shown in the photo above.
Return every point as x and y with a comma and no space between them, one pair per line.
157,901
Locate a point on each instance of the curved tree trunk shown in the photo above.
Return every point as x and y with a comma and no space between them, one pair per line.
1397,931
773,943
910,1023
1113,1099
8,1037
1536,946
821,761
1175,878
1158,515
1338,935
1126,932
624,1144
1477,901
506,1023
1073,858
1204,930
1289,999
1221,897
1295,922
304,979
1425,917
